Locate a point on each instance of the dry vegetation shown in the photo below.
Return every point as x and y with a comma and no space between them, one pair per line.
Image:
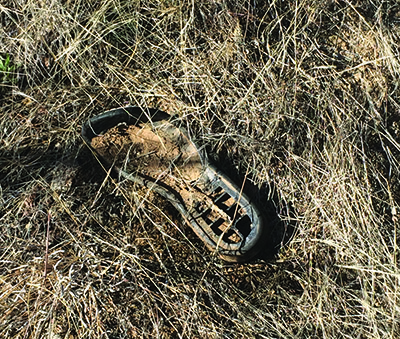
301,96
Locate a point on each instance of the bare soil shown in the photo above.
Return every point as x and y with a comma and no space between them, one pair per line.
146,152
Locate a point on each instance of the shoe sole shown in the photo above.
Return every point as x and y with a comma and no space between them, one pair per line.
152,152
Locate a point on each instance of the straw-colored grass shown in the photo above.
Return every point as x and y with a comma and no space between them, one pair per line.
300,96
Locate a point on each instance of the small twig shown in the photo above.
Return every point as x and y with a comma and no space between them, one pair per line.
46,255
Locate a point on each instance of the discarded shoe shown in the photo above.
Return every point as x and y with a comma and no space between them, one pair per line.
145,147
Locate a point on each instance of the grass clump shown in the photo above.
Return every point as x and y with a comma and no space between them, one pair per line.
302,96
7,69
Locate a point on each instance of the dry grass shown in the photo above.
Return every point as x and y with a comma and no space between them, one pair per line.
300,95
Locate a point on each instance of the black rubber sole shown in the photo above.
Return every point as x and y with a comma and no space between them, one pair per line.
222,216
